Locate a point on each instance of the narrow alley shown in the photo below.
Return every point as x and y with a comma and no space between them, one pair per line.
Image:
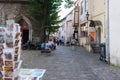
66,63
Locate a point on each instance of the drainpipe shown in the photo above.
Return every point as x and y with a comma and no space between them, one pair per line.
107,31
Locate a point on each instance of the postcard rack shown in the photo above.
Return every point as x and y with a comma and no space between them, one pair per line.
10,50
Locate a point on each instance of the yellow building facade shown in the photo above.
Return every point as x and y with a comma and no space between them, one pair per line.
97,11
91,22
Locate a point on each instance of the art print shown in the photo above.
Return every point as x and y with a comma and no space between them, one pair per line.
9,42
8,79
8,69
8,55
16,42
9,63
8,74
15,57
1,46
1,38
1,52
1,75
16,64
17,35
16,50
1,63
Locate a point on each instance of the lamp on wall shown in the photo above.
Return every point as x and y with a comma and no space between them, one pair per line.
87,16
87,31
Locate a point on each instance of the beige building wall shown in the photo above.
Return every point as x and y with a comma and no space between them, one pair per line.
70,31
98,7
97,11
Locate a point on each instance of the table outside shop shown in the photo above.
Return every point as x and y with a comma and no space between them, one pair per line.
31,74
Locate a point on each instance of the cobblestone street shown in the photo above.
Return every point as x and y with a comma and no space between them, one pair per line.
66,63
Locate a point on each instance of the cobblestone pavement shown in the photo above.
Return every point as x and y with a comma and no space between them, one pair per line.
67,63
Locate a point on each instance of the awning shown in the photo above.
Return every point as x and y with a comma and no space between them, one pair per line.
94,23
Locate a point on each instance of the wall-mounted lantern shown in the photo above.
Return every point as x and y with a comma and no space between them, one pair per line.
87,16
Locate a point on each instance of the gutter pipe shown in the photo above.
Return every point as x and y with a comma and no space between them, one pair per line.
107,31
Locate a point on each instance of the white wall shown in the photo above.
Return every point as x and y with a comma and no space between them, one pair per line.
114,31
68,18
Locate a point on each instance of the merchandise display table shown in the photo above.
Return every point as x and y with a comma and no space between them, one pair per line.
31,74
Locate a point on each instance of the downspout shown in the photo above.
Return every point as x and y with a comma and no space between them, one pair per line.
107,31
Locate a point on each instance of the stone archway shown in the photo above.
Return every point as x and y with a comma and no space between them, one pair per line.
16,11
26,28
30,26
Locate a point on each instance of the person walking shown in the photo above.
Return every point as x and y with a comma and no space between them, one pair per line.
62,39
73,42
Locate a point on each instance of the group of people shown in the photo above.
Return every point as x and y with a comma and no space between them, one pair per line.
51,44
60,40
48,45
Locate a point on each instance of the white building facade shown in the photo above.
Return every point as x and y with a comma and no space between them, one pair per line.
113,47
66,30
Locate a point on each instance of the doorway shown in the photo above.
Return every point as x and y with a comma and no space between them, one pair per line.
25,36
98,33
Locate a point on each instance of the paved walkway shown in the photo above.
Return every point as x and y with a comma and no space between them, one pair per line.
66,63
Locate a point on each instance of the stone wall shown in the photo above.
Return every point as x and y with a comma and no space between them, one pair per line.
15,11
9,11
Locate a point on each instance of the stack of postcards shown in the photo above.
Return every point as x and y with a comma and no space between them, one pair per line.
10,50
31,74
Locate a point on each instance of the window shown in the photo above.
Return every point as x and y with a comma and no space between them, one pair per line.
86,5
84,33
76,15
82,7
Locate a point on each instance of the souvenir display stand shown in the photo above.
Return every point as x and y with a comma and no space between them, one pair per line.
10,50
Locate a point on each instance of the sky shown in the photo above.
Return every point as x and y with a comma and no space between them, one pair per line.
64,11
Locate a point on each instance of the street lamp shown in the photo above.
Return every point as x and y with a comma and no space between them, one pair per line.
87,34
87,16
